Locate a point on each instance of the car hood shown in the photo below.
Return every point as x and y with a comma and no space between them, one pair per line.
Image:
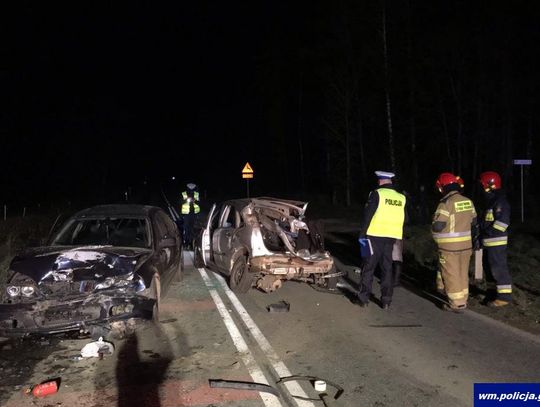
78,263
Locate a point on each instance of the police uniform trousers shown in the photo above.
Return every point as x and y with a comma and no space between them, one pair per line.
188,222
496,267
382,256
454,267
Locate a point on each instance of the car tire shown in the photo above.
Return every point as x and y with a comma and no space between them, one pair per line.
240,279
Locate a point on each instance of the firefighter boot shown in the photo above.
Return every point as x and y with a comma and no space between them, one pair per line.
497,303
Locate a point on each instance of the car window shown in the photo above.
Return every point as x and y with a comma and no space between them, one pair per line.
230,217
166,223
105,231
160,225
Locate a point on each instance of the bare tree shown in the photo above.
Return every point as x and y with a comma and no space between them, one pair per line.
387,91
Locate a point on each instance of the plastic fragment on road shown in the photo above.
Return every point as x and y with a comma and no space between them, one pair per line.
282,306
97,349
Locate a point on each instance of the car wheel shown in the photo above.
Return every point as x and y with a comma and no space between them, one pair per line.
240,279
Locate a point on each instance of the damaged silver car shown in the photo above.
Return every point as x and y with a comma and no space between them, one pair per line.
106,265
262,242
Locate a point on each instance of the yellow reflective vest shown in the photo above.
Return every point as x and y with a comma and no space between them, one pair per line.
390,215
186,204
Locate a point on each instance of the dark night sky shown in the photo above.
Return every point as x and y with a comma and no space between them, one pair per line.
97,97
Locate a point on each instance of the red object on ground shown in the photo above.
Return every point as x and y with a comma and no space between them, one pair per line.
44,389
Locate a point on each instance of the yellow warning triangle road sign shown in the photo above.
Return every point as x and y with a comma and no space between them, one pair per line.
247,169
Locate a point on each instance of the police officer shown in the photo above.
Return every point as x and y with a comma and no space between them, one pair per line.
190,208
384,216
494,232
453,227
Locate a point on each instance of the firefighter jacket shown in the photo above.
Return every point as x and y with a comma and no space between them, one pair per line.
496,219
384,214
190,202
452,222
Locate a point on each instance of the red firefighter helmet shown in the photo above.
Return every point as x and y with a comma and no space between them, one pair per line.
447,178
490,180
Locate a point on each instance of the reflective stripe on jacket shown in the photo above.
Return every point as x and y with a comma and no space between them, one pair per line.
457,212
496,220
186,205
390,215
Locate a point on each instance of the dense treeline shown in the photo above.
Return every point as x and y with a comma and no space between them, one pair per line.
454,84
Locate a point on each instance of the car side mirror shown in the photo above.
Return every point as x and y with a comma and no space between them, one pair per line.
167,242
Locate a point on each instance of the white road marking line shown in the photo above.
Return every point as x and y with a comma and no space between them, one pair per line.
254,370
279,367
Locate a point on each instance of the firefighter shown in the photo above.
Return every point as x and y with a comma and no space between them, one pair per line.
494,232
454,225
384,216
190,208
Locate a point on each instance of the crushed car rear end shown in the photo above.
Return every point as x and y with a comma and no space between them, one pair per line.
285,245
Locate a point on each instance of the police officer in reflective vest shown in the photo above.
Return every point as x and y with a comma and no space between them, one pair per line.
190,208
494,232
384,216
453,227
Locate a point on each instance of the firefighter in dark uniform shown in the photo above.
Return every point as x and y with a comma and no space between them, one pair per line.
454,229
190,208
494,232
384,216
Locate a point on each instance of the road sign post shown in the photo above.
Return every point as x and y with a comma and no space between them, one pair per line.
521,163
247,174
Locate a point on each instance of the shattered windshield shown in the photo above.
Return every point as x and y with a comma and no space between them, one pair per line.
124,232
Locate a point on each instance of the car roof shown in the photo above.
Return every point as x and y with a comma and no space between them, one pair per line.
117,210
241,203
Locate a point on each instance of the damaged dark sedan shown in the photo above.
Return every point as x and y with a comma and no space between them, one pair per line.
106,265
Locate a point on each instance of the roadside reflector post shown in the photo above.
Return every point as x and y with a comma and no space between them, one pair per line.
521,163
247,174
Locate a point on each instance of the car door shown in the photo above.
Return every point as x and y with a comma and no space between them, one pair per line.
228,223
166,243
206,237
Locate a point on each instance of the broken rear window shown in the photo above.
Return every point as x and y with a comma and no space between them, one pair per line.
124,232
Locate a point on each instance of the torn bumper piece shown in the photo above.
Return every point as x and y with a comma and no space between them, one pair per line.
48,316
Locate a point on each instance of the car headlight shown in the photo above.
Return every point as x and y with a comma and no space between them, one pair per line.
105,284
112,281
13,290
28,291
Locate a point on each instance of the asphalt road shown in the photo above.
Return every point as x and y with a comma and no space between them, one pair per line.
412,355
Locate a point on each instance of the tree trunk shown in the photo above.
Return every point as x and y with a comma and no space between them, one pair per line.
412,100
387,92
300,141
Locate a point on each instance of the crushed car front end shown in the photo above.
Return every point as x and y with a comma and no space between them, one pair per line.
55,290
